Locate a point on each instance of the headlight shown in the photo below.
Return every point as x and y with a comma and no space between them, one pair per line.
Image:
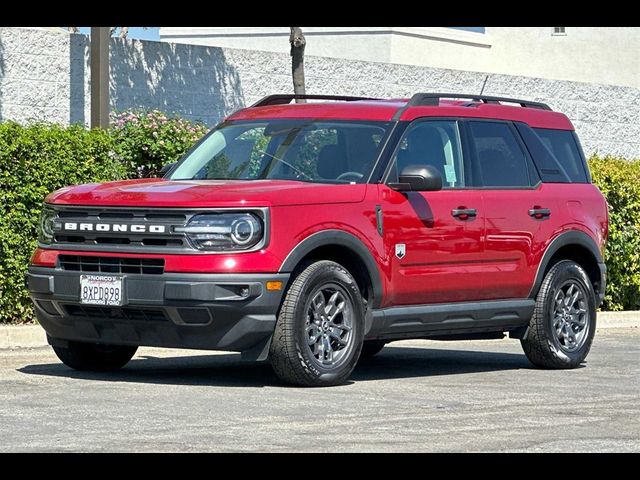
224,232
46,226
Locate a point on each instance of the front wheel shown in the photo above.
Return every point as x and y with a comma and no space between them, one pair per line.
318,336
93,357
564,320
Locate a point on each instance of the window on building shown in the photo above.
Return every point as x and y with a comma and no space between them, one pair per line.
559,30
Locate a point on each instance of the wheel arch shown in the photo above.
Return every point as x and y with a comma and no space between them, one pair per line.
577,246
345,249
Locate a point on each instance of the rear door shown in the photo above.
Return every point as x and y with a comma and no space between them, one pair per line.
518,210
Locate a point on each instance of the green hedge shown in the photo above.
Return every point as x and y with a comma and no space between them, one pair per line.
41,158
35,161
38,159
619,181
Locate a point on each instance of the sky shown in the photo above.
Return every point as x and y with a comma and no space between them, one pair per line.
152,33
471,29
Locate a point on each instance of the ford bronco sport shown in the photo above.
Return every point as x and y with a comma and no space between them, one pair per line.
312,234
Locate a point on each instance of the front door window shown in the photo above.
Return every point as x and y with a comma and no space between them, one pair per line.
435,143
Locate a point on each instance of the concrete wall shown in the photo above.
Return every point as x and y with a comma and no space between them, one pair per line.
371,44
44,76
607,55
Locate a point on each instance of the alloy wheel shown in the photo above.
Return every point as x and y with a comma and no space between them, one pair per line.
329,326
570,316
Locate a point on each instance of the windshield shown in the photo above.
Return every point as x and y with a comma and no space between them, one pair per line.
303,150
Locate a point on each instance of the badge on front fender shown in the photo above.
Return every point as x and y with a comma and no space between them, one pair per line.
401,250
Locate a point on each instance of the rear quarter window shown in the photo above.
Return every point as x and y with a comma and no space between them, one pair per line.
564,147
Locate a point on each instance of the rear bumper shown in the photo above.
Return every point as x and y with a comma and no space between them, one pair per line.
192,311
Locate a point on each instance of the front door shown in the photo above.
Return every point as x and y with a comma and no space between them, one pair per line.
433,240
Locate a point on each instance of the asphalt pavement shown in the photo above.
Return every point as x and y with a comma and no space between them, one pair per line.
414,396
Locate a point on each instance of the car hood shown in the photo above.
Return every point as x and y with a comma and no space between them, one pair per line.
187,194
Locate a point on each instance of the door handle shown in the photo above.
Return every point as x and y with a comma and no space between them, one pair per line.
464,213
540,213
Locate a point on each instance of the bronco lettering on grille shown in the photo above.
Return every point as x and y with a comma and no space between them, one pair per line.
106,227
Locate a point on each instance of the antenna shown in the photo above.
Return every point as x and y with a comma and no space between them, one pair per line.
484,84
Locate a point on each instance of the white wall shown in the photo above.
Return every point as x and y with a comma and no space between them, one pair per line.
372,44
45,76
609,55
365,43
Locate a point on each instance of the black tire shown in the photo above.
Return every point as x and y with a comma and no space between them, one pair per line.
542,345
94,358
371,348
291,356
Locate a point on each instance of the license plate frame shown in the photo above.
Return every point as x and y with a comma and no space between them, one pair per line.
102,290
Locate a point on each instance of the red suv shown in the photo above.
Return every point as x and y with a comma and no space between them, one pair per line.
312,234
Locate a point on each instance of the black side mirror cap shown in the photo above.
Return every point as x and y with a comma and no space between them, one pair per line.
164,171
418,178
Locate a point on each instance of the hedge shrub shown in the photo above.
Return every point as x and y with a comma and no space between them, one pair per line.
619,181
149,140
35,161
38,159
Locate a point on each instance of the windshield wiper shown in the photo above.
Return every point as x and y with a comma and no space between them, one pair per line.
298,171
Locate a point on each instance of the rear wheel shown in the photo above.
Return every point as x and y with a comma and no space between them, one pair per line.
93,357
318,336
563,325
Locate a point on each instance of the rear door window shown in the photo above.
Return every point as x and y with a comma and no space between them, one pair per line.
562,144
501,161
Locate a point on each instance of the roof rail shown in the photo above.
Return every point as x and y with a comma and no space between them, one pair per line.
285,99
433,99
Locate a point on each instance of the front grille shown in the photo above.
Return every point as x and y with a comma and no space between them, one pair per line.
117,265
133,230
113,313
127,240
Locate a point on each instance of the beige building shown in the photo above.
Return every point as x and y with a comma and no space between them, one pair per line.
606,55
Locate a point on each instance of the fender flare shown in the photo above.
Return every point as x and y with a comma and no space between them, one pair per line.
344,239
573,237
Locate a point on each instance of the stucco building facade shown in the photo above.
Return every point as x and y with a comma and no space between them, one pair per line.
603,55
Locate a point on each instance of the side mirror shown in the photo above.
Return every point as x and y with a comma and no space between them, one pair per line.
164,171
418,178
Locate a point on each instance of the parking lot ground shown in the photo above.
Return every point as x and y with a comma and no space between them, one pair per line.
414,396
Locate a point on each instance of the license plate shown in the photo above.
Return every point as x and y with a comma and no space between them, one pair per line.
101,290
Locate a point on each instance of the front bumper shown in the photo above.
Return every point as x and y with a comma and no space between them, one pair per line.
172,310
